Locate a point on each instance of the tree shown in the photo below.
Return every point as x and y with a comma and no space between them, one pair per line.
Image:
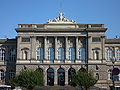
85,79
73,78
28,79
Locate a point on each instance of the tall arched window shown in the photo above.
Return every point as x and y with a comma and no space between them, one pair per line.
61,54
71,76
118,54
40,54
81,53
109,54
12,54
109,74
61,77
50,53
1,75
50,77
2,54
71,55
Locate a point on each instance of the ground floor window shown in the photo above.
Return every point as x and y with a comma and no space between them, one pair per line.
50,77
61,77
71,73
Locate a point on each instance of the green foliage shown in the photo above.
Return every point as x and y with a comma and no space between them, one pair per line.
28,79
85,79
73,79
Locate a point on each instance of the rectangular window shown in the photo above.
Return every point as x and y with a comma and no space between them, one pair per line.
25,39
109,54
96,39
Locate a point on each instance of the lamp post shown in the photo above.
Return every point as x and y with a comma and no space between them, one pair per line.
113,66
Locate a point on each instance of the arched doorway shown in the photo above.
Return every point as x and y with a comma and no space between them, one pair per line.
71,76
50,77
61,77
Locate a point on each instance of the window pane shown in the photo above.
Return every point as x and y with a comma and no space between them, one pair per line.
25,39
50,54
71,55
81,54
96,39
2,54
109,54
60,53
12,54
118,54
40,54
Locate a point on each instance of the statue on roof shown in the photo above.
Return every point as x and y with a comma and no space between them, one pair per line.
60,19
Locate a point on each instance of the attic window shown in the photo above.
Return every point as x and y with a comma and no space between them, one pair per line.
96,39
25,39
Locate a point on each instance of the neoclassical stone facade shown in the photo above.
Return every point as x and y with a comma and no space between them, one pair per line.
57,47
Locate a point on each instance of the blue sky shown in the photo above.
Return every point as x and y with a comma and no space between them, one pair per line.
13,12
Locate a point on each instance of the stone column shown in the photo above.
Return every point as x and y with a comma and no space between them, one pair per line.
56,55
77,48
66,48
33,48
55,77
45,77
66,77
45,48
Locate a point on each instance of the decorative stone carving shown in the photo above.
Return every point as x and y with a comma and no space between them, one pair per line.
60,19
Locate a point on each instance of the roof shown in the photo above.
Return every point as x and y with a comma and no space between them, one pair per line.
8,40
112,41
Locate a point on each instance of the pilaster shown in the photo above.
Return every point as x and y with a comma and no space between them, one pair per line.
66,77
66,48
55,77
56,55
45,48
18,48
77,48
33,47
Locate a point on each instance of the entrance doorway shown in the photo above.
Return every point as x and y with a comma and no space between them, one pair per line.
71,77
61,77
50,77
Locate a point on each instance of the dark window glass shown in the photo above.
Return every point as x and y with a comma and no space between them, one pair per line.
24,39
96,39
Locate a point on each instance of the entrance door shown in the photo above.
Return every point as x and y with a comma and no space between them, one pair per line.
61,77
50,77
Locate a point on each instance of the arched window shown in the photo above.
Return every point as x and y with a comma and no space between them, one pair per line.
12,54
96,55
118,54
61,77
11,74
81,53
71,52
40,54
71,76
25,53
61,54
1,75
50,53
109,74
2,54
50,77
109,54
97,76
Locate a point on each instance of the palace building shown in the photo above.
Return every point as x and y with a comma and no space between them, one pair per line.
58,47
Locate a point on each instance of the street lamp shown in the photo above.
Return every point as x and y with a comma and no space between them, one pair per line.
113,66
